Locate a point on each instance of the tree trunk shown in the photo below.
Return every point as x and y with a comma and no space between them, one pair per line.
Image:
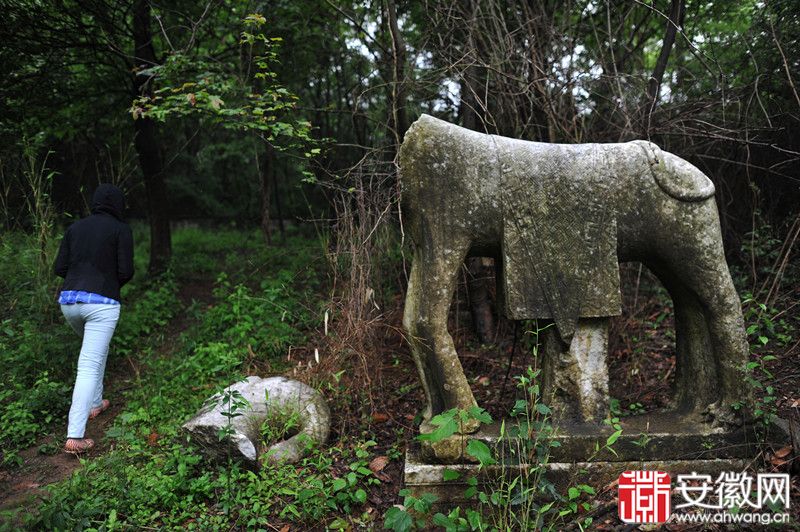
267,170
278,205
675,21
480,298
146,144
398,121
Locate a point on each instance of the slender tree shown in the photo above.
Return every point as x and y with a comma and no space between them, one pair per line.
146,141
673,24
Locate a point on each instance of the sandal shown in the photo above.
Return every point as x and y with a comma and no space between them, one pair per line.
78,446
94,412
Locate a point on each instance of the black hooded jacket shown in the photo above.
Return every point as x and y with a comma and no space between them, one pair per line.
96,253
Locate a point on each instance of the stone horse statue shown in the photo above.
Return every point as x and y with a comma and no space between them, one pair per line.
558,219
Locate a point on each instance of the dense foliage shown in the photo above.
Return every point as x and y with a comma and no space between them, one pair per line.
575,71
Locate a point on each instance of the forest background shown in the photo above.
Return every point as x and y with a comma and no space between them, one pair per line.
286,116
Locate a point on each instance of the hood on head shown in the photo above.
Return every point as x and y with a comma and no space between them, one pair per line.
108,199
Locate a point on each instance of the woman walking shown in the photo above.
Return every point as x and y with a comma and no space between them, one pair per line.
96,260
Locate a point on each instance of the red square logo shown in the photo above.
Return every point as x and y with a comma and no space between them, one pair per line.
644,497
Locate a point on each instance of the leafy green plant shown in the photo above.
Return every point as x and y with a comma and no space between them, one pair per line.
248,99
279,425
40,351
233,404
401,519
25,418
763,330
265,322
455,420
643,441
147,315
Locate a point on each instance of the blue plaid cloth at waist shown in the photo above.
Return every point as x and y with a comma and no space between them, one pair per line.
70,297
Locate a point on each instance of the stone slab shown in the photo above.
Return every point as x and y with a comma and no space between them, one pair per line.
421,477
674,445
647,437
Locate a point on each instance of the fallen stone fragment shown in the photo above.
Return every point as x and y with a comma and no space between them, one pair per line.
265,397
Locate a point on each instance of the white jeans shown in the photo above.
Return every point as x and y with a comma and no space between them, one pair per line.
95,324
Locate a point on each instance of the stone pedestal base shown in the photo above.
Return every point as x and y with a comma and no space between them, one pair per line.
659,441
421,477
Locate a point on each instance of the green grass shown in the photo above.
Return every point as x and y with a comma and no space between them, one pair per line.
262,301
39,351
37,348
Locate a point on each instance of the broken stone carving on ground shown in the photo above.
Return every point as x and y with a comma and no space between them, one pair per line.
266,397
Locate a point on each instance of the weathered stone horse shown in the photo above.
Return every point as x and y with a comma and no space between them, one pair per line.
558,219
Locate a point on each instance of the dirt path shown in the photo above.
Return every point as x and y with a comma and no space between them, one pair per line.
44,464
23,486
